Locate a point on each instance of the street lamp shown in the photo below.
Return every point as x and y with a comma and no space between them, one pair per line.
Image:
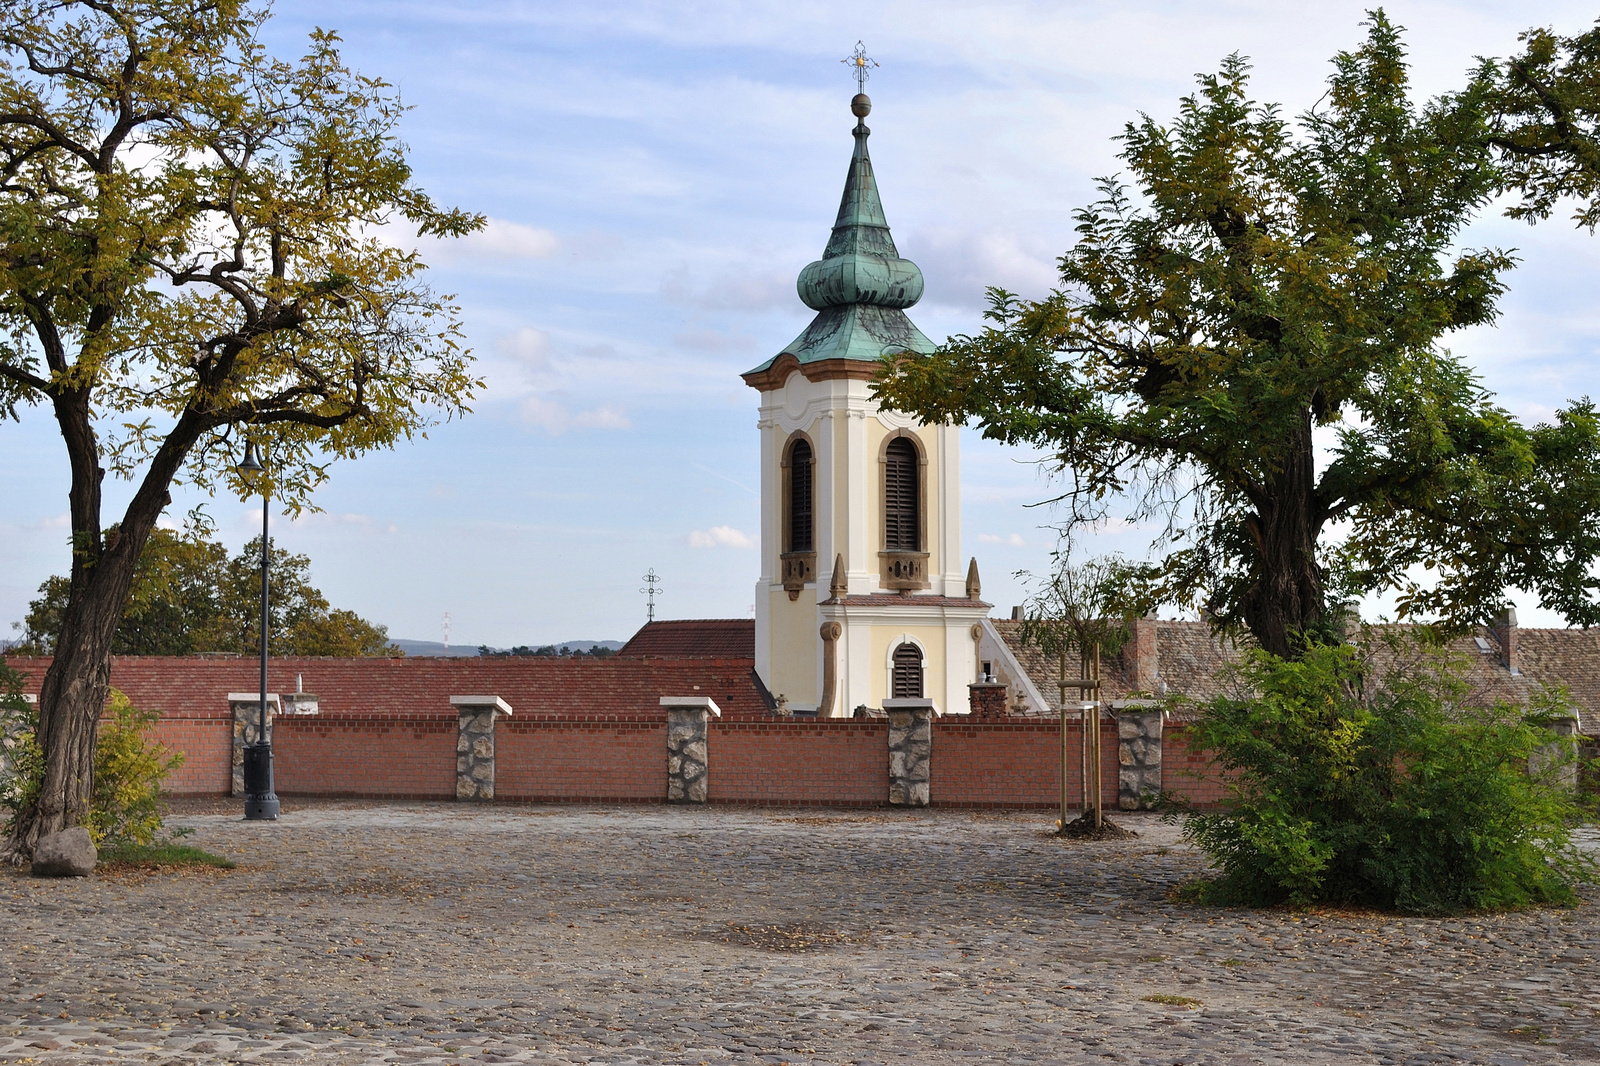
260,801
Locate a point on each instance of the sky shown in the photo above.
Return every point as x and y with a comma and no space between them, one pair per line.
655,176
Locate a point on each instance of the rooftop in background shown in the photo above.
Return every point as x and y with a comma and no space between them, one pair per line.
709,638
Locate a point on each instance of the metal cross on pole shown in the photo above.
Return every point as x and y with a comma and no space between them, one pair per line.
651,592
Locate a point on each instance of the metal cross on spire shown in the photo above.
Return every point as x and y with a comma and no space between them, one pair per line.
860,61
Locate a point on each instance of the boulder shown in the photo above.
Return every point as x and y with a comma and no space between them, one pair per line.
69,853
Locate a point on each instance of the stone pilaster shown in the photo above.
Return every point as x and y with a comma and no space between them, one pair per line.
1138,753
246,707
1559,758
910,751
475,745
688,760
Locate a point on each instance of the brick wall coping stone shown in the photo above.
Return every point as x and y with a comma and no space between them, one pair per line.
691,703
500,705
253,697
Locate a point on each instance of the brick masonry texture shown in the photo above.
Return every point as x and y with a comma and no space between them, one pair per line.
412,756
785,761
607,758
404,744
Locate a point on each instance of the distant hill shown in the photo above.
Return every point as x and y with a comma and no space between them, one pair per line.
434,647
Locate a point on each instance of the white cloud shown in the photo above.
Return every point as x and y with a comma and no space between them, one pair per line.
503,239
721,537
528,346
555,419
499,239
1013,539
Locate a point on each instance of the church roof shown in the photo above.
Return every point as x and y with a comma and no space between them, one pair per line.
861,286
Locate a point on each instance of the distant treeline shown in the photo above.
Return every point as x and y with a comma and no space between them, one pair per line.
548,651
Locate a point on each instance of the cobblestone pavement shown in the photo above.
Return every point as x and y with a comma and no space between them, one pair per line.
433,933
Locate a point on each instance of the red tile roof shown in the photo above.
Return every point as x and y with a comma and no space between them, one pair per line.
193,687
718,638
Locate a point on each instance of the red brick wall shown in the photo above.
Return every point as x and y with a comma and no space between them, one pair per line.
1180,767
602,758
365,755
207,746
1015,763
798,761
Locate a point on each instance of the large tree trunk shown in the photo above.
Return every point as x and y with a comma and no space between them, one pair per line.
75,687
1287,598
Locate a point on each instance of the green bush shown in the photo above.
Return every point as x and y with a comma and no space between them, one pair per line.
1361,786
128,767
128,771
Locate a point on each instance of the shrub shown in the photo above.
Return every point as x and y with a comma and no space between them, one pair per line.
128,771
1381,788
128,767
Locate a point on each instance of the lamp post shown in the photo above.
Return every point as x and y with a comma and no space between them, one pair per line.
260,801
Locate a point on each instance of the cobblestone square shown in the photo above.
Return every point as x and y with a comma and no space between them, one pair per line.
436,932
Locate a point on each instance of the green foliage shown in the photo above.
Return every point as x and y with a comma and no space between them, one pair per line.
148,856
128,771
1541,110
1362,777
128,767
189,597
1085,606
21,758
1260,279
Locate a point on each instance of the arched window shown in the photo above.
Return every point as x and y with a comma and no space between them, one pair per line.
901,520
800,497
906,684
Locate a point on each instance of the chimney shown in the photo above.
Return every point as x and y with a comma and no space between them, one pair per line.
1505,631
1016,614
1141,657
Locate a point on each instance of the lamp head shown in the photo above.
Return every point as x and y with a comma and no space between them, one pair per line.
250,464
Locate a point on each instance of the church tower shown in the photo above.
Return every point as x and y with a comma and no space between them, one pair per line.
862,596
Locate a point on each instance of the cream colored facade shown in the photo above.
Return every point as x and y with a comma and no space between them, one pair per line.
848,433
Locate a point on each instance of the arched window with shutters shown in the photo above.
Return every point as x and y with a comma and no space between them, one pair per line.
902,497
905,682
800,497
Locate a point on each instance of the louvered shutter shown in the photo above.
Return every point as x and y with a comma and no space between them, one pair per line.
900,497
907,681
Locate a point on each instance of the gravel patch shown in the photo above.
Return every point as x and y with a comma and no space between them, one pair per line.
425,933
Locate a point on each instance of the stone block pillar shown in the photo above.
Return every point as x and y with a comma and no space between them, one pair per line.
688,762
1138,752
475,745
910,751
988,699
1560,759
246,708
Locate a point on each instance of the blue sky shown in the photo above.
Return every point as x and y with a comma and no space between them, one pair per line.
656,175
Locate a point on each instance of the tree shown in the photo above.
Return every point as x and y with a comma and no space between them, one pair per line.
1084,608
189,597
189,254
1266,280
1541,112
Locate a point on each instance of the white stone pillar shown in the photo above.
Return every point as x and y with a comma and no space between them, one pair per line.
688,759
475,745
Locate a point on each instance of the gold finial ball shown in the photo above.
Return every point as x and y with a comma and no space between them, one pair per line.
861,105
